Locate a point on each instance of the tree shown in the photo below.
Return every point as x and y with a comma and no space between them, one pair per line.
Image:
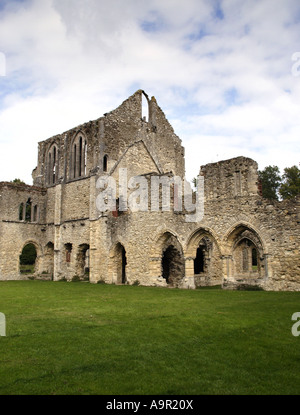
195,182
17,181
290,186
28,255
270,180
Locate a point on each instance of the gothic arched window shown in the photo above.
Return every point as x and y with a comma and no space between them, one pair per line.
52,165
79,157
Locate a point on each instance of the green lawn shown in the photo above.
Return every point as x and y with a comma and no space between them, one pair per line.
80,338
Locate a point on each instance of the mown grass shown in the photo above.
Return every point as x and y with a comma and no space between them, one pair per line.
80,338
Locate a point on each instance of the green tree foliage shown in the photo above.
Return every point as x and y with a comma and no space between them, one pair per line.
270,180
18,181
290,185
28,255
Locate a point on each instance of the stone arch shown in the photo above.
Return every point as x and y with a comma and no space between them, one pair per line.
118,263
247,254
52,159
145,107
236,229
167,260
161,239
78,156
204,258
34,262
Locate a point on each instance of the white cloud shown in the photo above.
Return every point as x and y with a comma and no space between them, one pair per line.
222,75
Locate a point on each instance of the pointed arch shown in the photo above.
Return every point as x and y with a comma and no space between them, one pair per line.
196,236
118,264
79,156
145,107
52,161
29,257
248,253
204,257
236,229
167,259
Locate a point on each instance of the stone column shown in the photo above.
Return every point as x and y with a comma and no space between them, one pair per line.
57,233
227,267
189,273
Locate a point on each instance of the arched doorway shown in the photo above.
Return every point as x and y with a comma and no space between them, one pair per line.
172,265
247,263
82,262
118,264
246,251
199,260
28,259
204,258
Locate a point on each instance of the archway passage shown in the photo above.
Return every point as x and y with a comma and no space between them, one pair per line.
119,263
199,260
246,260
28,259
82,263
203,249
172,264
247,252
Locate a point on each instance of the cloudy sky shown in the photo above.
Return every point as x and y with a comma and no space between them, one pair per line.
225,72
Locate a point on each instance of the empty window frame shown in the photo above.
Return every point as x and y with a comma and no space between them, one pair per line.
52,168
79,157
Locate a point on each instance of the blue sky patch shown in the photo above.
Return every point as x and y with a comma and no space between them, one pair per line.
153,24
4,3
218,12
231,96
197,35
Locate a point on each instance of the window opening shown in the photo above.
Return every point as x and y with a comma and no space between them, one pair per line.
21,211
28,210
105,163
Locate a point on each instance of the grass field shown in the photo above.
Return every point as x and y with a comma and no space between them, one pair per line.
80,338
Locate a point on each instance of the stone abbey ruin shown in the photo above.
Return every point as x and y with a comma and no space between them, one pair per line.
243,240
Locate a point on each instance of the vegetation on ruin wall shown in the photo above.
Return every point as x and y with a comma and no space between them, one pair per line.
79,338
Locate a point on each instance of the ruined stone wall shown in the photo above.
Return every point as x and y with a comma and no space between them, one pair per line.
14,236
242,240
230,178
76,200
110,136
64,157
13,195
271,226
71,242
